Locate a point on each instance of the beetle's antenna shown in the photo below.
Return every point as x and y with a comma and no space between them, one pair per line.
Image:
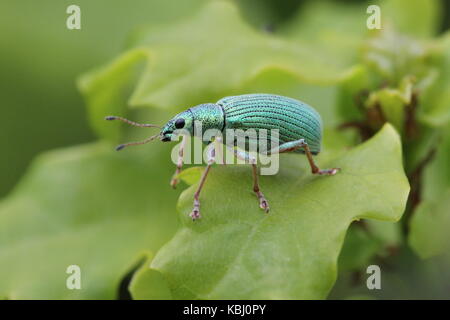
121,146
132,122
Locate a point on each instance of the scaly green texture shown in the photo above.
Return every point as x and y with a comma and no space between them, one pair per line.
294,119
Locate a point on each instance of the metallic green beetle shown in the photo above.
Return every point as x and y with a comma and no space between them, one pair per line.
299,127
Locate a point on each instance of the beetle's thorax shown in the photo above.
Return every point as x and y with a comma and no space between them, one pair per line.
209,115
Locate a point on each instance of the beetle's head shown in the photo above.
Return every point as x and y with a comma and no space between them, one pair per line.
183,120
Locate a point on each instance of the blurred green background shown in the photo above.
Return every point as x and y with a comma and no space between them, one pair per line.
42,109
41,60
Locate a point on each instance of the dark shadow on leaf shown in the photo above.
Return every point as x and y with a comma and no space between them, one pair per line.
123,293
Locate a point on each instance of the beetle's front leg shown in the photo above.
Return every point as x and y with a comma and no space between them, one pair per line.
175,180
211,156
263,203
297,144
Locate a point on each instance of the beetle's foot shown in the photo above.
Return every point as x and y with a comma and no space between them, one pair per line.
328,172
174,182
195,214
263,203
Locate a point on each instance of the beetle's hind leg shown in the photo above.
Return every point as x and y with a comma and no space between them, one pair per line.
297,144
263,203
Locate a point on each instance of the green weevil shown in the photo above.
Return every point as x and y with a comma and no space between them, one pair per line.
298,124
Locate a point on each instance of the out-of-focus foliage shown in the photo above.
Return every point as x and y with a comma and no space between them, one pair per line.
110,212
40,60
84,206
366,239
404,80
429,234
413,17
403,276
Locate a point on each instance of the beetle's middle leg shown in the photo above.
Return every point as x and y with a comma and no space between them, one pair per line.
297,144
263,203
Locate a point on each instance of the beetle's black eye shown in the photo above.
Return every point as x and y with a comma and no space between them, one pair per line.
179,123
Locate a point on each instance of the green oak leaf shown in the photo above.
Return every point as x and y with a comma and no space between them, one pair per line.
237,252
138,285
199,60
87,206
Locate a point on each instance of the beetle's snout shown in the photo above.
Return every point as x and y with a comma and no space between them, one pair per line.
165,138
166,135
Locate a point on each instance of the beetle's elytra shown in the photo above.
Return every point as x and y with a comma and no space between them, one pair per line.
298,124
